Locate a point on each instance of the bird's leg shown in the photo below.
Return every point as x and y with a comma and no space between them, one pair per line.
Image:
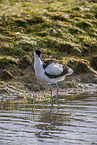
57,93
51,94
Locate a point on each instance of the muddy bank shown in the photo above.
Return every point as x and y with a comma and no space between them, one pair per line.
25,84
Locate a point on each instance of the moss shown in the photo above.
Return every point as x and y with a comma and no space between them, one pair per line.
68,28
84,24
70,18
11,50
26,46
20,22
5,60
61,16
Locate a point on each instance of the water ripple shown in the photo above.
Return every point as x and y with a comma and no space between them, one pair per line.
71,122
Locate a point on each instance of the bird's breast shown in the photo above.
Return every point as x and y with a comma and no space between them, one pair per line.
39,73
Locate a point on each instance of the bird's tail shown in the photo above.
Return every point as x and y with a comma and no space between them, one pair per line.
70,71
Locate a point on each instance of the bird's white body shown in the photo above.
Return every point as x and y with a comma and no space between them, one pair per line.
53,68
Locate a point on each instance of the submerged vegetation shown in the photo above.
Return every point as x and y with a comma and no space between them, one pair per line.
64,30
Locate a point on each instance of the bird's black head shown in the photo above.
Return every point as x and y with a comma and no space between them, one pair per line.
38,52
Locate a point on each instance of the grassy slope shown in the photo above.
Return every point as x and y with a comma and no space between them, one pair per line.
68,28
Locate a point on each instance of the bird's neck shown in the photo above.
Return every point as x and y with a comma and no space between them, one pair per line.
38,63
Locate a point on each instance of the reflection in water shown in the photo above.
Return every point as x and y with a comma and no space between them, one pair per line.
71,122
48,122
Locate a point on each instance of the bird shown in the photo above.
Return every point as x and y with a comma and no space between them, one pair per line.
49,72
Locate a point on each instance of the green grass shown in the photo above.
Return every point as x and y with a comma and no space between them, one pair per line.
68,28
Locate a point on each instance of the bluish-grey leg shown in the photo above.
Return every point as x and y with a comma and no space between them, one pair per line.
57,93
51,94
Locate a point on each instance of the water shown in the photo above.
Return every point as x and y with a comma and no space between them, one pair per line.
69,122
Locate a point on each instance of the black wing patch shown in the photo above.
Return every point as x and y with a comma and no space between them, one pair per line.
65,71
46,63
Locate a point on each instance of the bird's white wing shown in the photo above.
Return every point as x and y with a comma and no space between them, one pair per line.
54,69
